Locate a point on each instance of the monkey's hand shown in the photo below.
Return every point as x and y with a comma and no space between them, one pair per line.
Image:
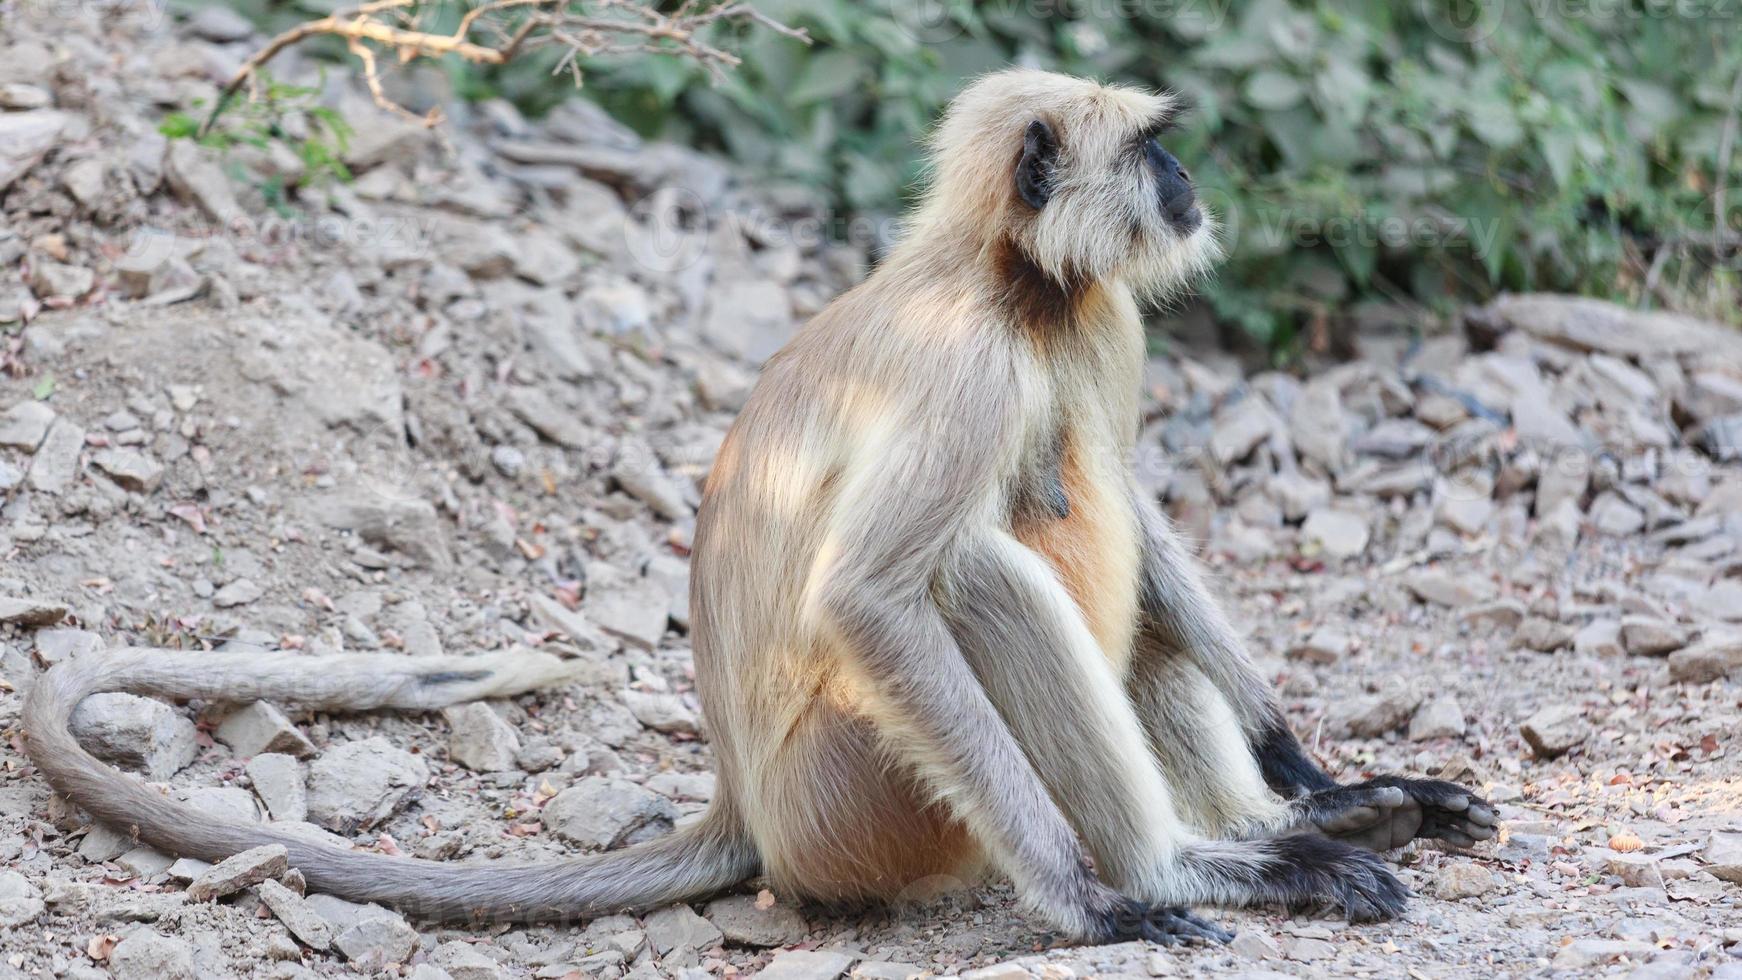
1390,811
1168,925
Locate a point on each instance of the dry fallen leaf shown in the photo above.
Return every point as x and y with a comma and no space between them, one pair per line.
100,947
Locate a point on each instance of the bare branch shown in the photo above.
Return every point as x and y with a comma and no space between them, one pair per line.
588,28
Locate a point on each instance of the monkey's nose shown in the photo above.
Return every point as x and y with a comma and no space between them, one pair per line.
1173,187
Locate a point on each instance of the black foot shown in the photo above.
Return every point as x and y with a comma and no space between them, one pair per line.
1359,882
1168,925
1390,811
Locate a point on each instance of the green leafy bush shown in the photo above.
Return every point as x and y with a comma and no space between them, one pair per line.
1355,150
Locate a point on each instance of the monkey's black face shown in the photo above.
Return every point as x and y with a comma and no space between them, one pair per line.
1173,188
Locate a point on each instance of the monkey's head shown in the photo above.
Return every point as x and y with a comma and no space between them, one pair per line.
1071,173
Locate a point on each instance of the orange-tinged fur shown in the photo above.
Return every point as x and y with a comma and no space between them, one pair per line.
1094,550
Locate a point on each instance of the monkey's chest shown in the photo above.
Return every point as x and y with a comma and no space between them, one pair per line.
1074,512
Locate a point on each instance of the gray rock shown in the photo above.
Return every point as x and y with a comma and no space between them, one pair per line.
460,961
602,813
145,863
479,739
1447,588
1709,660
1440,717
20,901
104,843
56,645
632,609
220,24
24,425
1598,638
1651,636
238,593
358,784
196,175
239,871
1335,532
740,920
1462,879
1377,714
56,464
57,280
679,925
1723,856
278,781
548,419
388,518
261,727
31,612
639,473
1555,730
661,712
376,938
297,915
809,964
145,955
748,318
1615,517
130,468
136,732
1318,425
1240,428
18,95
1324,645
24,138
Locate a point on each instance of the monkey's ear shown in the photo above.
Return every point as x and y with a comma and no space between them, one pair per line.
1034,171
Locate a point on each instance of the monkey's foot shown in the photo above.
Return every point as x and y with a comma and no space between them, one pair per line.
1390,811
1167,925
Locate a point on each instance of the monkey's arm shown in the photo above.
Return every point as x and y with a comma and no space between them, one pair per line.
1181,618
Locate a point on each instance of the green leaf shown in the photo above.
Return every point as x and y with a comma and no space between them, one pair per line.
1273,90
827,76
43,388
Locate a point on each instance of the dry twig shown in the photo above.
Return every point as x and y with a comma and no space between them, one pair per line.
586,28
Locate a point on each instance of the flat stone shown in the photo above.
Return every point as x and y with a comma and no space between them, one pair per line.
146,955
376,938
748,318
144,862
1336,532
261,727
1598,638
238,593
56,645
297,915
31,612
1440,717
1555,730
1723,856
24,138
1324,645
1585,954
807,964
1447,588
479,739
239,871
602,813
661,712
1544,635
634,610
56,464
24,425
1651,636
139,733
278,781
679,925
461,961
742,921
20,901
196,175
1377,714
1457,880
1708,660
359,784
130,468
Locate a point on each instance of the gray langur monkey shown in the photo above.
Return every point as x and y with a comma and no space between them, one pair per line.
936,626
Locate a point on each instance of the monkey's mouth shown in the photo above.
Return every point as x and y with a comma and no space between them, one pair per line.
1185,220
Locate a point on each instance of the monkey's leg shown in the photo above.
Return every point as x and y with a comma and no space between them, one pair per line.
1182,619
1037,661
933,714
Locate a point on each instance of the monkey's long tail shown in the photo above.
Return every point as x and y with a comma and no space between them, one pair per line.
706,857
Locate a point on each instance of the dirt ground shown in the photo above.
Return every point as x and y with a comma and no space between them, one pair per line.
464,403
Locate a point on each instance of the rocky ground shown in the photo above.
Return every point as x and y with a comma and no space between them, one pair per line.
464,402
